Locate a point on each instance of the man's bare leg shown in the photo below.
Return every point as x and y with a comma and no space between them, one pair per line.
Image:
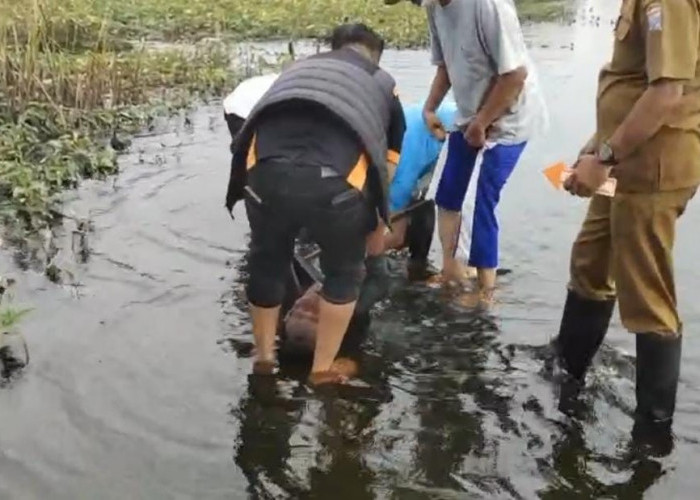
471,272
375,239
396,239
449,224
265,332
487,286
333,321
486,279
484,294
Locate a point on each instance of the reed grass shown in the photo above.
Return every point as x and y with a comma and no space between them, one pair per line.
65,89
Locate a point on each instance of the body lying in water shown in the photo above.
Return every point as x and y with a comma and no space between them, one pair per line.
298,329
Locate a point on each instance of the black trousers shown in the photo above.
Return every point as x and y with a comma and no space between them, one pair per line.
337,217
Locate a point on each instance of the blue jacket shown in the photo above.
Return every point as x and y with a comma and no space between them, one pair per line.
419,152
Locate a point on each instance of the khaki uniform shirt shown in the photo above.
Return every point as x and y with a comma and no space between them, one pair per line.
654,39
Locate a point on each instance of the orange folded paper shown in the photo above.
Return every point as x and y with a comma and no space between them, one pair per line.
556,174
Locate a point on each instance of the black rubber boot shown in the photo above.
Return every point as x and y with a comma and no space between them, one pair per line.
375,285
658,369
583,327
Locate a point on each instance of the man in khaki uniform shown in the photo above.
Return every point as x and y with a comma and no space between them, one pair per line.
648,138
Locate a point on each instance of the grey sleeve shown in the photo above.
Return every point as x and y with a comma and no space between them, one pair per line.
436,55
501,35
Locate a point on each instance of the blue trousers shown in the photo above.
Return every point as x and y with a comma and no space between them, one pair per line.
498,163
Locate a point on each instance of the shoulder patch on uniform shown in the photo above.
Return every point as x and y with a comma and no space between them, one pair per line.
654,16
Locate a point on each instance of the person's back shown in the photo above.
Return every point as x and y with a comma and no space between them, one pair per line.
307,133
313,154
419,152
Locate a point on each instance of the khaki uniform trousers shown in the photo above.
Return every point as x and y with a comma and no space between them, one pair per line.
625,250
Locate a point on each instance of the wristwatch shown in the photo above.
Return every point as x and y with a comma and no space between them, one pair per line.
606,155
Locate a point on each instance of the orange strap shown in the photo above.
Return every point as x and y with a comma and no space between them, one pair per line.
358,175
393,157
252,157
356,178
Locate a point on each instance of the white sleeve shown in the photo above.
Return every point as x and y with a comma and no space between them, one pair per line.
437,57
501,34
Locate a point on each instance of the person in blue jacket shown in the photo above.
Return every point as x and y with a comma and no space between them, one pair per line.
420,156
410,184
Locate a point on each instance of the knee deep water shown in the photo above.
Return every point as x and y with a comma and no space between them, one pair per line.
138,384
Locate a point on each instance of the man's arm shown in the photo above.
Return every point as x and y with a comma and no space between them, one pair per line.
438,89
671,30
503,94
589,147
647,116
501,37
441,81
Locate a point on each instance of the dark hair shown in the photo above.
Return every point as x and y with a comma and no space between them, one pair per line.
358,33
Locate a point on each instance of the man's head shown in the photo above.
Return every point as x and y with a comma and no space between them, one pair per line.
358,36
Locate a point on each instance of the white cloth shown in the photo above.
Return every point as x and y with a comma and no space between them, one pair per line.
464,242
246,95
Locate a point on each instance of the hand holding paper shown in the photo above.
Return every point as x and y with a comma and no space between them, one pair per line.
558,173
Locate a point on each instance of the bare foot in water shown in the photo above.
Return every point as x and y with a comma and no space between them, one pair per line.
463,279
346,367
484,299
264,367
341,371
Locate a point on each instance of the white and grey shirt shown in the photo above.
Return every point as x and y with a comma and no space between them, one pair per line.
477,40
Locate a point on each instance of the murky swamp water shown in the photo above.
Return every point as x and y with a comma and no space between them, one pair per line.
138,382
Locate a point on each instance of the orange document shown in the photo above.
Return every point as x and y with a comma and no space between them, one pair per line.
559,172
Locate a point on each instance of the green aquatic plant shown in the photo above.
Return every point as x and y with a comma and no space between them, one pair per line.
14,353
9,318
66,90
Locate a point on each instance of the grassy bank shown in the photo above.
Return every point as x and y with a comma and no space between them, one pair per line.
66,87
75,73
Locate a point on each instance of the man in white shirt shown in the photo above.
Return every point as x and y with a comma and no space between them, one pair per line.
239,103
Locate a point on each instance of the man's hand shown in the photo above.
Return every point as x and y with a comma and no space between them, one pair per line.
434,125
588,175
589,148
375,239
475,133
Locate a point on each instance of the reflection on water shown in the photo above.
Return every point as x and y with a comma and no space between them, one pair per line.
139,386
